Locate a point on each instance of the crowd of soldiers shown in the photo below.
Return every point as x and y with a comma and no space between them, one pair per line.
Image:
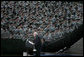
51,19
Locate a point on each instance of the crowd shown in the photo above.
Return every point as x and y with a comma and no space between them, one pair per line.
50,18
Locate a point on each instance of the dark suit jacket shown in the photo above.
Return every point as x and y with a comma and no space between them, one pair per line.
37,42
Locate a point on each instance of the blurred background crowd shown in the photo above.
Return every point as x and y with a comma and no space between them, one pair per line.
51,19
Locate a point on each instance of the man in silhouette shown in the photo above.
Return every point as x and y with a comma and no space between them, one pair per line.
37,41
